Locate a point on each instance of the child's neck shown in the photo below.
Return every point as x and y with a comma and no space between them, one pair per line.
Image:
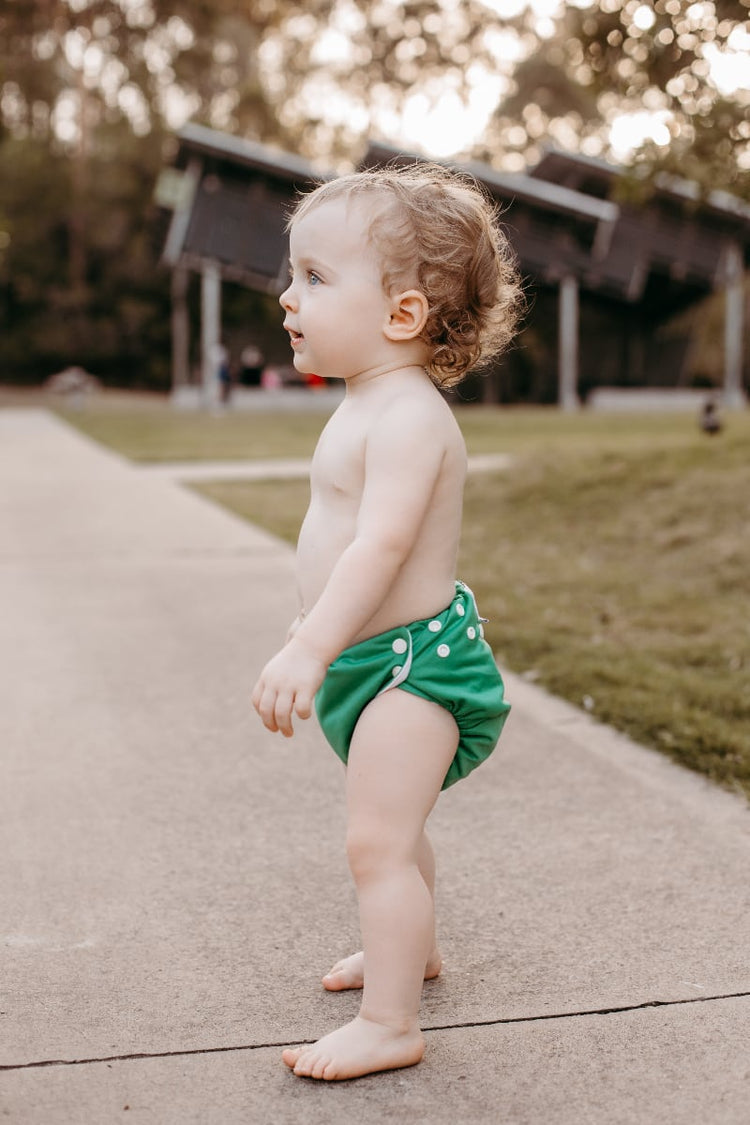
376,377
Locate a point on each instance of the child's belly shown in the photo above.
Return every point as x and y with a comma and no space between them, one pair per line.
323,538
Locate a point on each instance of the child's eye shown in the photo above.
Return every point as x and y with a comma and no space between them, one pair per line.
313,278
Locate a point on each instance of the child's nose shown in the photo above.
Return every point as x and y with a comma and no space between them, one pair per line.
286,300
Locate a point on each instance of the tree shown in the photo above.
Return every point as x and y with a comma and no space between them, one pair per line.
336,82
87,88
91,90
618,57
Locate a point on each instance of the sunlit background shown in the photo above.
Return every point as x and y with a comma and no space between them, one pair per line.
442,110
93,91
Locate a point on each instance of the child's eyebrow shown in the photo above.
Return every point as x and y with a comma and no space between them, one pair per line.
307,263
315,265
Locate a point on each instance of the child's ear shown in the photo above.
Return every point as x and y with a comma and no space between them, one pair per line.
407,316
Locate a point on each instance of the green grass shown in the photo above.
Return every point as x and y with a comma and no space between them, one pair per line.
279,506
163,434
529,431
148,429
620,581
612,558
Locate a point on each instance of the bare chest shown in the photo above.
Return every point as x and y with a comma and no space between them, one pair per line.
338,467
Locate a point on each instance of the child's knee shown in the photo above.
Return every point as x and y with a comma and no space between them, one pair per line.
371,850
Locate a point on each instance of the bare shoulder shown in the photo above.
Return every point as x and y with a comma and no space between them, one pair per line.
417,413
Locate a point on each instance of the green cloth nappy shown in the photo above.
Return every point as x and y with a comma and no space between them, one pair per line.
444,659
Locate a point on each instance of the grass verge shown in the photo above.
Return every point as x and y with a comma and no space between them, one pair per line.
163,434
620,581
150,430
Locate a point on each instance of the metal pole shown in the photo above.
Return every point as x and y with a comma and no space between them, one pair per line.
180,329
568,345
210,331
734,302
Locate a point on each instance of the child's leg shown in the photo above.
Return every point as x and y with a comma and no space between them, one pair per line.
350,971
398,758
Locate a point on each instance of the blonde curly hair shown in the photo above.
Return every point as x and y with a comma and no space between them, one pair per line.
437,231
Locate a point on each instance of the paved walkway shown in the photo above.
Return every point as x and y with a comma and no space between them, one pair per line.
173,882
278,468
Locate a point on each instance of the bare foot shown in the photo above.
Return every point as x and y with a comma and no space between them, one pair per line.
349,972
360,1047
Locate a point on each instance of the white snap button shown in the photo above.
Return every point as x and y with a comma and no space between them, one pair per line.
471,632
460,609
434,626
443,650
395,671
399,645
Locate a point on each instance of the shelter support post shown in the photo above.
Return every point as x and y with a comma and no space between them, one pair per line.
180,329
734,310
568,344
210,330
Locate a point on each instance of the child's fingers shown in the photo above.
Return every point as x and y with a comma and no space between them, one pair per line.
303,704
276,698
264,702
257,694
283,714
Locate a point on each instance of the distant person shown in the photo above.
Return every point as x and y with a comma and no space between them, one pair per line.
251,366
387,642
225,376
270,379
710,419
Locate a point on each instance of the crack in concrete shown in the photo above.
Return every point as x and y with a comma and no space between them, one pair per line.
619,1010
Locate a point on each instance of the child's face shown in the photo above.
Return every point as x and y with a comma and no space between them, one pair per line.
335,305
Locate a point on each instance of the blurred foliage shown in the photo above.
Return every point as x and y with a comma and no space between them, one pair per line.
619,57
91,91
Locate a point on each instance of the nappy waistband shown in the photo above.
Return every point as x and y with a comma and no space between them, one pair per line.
462,612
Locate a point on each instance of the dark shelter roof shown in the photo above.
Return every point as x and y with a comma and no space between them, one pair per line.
233,207
662,255
666,253
676,239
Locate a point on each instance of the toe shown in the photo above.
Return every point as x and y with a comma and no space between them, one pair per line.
321,1065
335,980
291,1057
347,973
305,1063
330,1072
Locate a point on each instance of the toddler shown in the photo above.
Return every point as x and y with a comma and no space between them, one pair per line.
400,283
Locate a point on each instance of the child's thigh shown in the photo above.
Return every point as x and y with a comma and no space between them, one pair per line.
399,755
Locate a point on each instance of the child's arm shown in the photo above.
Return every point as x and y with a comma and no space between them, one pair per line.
295,626
402,463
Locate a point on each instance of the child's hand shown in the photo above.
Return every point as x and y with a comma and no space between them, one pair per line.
286,685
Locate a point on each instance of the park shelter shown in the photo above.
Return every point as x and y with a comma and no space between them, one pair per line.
610,274
665,254
229,200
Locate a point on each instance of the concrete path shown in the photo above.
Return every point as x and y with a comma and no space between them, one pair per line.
173,882
278,468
